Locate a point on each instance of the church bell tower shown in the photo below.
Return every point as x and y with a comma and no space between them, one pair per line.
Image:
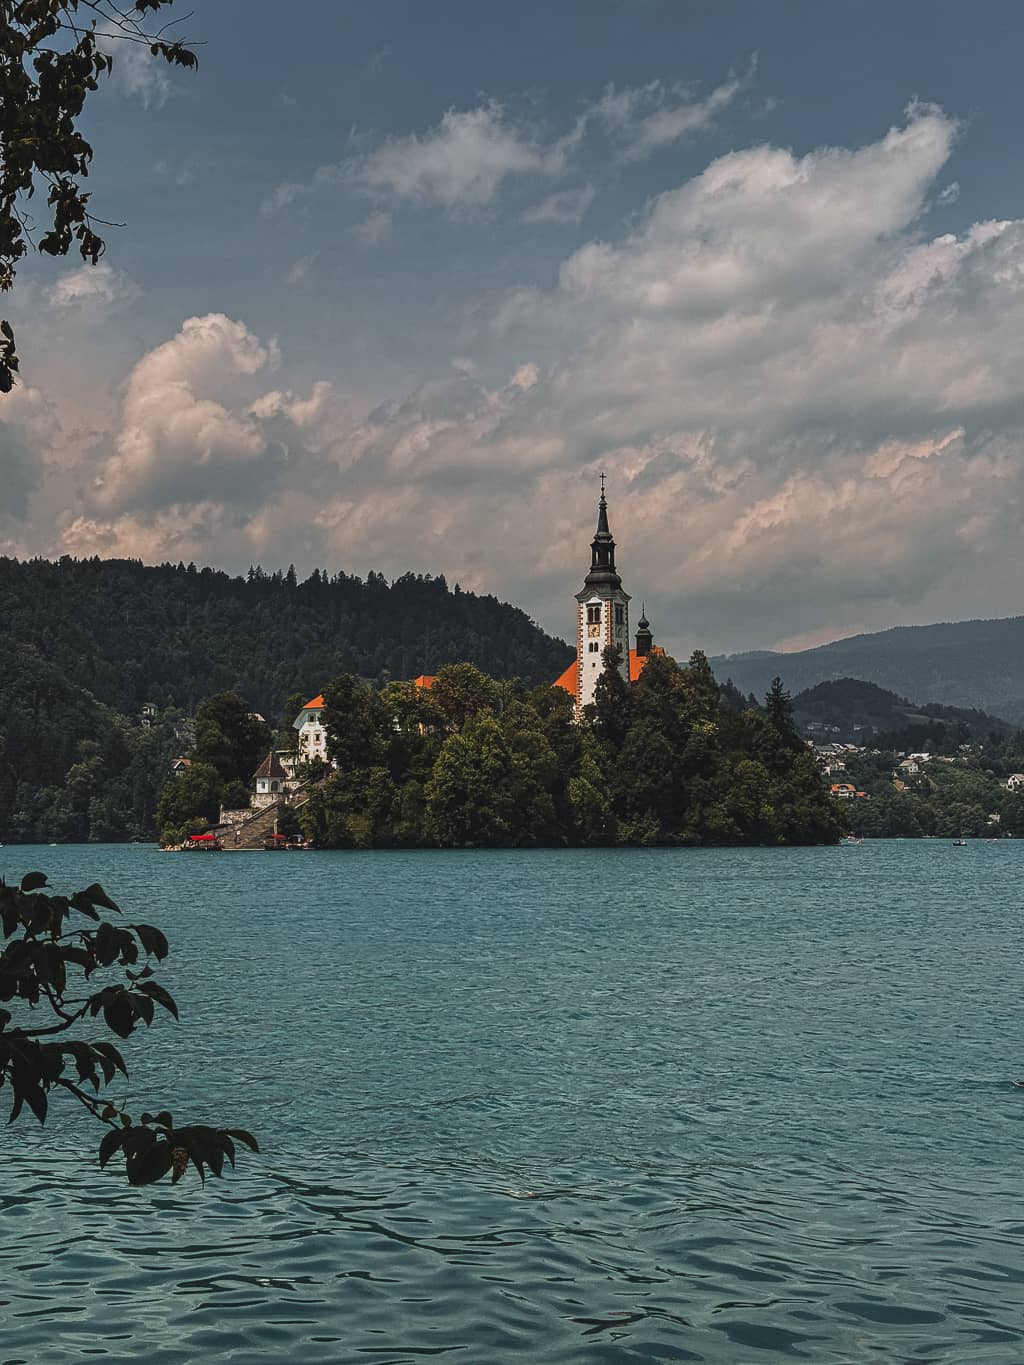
602,617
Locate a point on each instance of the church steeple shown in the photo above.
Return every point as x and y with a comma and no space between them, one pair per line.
602,620
644,634
602,551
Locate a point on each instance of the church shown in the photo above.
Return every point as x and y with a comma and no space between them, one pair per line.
602,621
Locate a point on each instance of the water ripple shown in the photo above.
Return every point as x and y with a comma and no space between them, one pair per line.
706,1125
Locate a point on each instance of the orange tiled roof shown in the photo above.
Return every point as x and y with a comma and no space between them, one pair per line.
425,681
569,681
315,705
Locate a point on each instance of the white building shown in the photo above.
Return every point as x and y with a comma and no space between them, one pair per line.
1015,782
312,735
270,782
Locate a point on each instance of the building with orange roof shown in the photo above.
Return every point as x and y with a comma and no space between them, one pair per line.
602,621
312,734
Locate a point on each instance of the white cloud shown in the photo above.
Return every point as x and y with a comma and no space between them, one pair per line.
460,164
281,196
645,118
136,74
564,206
96,286
178,440
809,412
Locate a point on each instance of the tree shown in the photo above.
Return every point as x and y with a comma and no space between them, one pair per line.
53,948
460,692
51,59
230,737
610,712
194,796
355,723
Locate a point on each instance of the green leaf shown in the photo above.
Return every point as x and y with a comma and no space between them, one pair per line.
110,1144
97,896
161,996
109,1053
32,881
152,940
149,1166
119,1015
240,1135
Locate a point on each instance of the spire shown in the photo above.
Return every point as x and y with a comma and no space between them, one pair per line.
644,635
602,550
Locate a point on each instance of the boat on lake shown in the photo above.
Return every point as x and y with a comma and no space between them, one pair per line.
202,843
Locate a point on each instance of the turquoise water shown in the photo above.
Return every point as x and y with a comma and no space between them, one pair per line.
598,1107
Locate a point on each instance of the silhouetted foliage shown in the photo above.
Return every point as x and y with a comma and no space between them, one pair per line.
57,950
51,60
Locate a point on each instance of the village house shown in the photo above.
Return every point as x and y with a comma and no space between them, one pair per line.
1015,782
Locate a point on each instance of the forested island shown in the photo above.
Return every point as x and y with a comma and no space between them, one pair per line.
470,762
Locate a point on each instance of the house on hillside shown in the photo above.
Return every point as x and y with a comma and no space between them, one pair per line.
1015,782
179,766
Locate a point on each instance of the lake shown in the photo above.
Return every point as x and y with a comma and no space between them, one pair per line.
583,1106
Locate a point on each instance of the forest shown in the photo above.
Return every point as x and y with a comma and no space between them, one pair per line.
85,644
673,759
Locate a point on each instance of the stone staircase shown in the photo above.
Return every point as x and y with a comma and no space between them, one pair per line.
251,833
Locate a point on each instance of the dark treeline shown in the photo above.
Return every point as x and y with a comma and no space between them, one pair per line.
85,643
71,769
131,633
672,759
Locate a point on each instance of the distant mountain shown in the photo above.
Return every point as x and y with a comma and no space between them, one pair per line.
977,664
851,710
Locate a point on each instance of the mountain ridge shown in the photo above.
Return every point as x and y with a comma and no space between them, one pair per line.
978,664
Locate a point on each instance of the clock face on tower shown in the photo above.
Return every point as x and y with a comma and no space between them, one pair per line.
594,632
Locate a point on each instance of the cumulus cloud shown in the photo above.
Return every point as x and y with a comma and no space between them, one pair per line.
808,410
175,438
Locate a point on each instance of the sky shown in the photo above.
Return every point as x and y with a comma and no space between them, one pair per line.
396,283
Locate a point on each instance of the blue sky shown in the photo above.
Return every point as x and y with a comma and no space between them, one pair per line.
397,282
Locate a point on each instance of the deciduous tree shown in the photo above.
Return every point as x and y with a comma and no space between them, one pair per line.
53,54
63,968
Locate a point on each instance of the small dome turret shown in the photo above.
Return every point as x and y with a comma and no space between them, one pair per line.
644,635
